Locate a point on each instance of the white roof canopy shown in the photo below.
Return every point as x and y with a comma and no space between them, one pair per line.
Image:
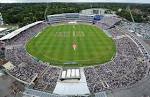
8,66
18,31
70,74
73,87
2,29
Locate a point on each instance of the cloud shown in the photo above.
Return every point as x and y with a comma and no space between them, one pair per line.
39,1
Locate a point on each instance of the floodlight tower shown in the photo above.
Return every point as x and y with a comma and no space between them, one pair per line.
128,8
1,19
130,13
45,13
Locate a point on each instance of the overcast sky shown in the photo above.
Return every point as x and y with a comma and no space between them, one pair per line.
36,1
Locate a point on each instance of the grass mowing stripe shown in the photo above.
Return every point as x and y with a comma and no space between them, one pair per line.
94,47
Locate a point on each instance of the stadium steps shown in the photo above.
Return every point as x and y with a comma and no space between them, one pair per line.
101,94
36,93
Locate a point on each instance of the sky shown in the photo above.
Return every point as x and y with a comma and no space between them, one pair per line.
36,1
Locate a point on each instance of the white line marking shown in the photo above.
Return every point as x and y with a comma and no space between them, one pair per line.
64,34
38,34
73,34
56,33
82,34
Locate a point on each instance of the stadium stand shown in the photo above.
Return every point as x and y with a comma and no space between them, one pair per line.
70,17
141,29
18,31
108,22
129,66
98,11
47,81
26,67
123,71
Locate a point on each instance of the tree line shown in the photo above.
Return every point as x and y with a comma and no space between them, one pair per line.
23,14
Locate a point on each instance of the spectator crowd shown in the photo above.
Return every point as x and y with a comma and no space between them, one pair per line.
129,65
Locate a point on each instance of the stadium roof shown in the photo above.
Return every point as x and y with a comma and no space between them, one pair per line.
69,14
18,31
72,87
8,66
2,29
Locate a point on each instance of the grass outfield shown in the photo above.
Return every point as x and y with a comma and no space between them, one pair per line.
72,45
